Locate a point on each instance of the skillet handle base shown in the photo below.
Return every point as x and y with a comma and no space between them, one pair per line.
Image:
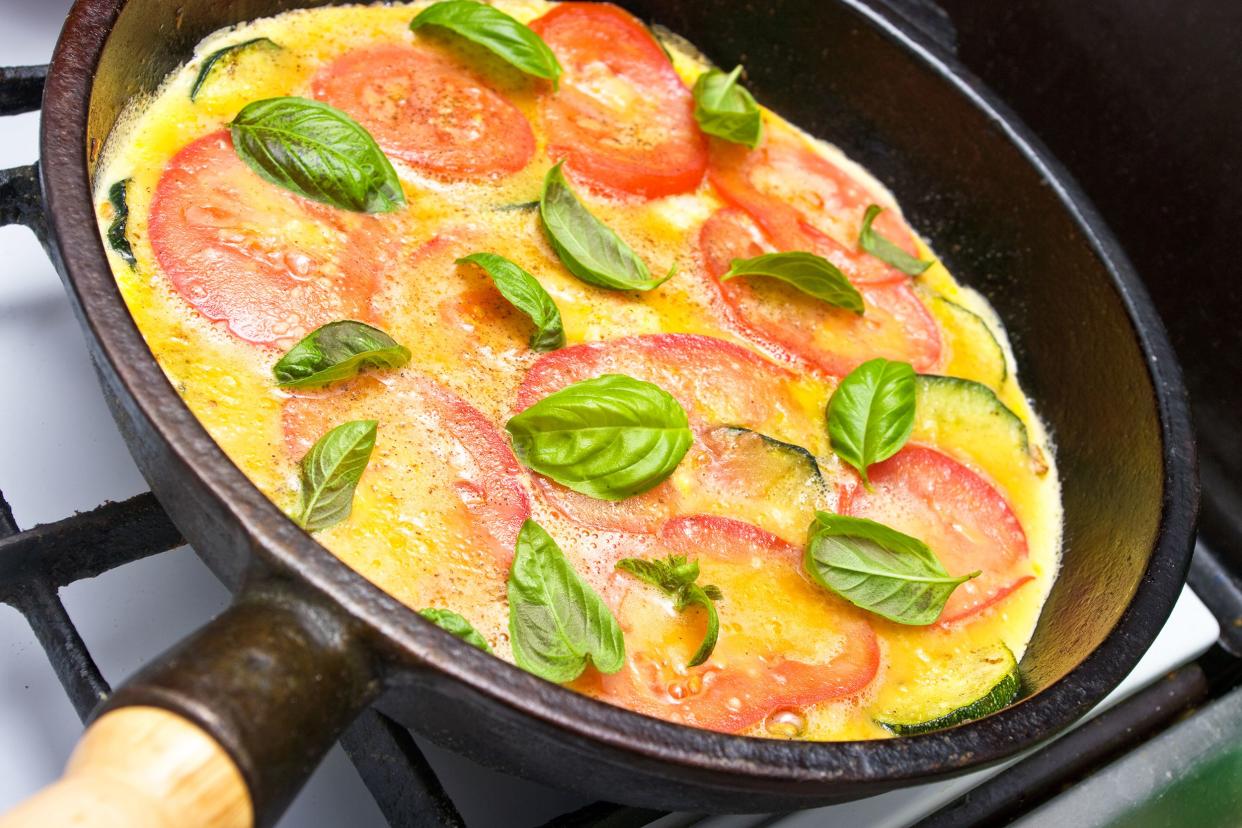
223,729
142,767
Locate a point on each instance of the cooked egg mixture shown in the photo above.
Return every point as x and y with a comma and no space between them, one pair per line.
436,512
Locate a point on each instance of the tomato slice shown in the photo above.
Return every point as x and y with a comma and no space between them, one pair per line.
805,202
719,384
428,110
622,119
783,320
269,264
449,477
784,643
967,523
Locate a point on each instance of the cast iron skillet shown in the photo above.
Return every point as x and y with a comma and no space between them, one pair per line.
309,643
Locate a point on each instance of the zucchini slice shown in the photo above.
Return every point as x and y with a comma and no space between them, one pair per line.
976,353
977,684
783,467
966,419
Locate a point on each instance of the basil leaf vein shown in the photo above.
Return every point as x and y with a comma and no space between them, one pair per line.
495,31
879,569
586,246
337,351
330,473
450,621
525,293
318,152
610,437
871,413
884,249
209,62
813,275
676,577
557,623
117,240
725,109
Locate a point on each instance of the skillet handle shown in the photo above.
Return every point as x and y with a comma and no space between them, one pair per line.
222,730
142,767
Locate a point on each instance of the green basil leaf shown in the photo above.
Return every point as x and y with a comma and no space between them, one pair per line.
811,274
526,294
330,473
609,437
209,62
884,250
557,623
590,250
878,568
725,109
337,351
676,576
452,622
120,219
495,31
318,152
871,413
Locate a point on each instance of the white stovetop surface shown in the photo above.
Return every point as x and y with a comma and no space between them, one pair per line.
60,453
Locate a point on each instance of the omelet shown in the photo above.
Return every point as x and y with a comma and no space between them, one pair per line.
225,271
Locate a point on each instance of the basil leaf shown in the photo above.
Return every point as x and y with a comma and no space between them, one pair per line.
452,622
871,413
316,151
725,109
525,294
609,437
884,250
557,623
215,57
811,274
676,577
337,351
330,473
495,31
120,219
878,568
590,250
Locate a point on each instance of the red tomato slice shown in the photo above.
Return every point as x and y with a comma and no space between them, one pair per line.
717,382
448,470
965,521
268,263
622,119
427,110
784,643
805,202
784,320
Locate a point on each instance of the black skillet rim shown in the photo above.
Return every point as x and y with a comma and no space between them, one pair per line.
803,768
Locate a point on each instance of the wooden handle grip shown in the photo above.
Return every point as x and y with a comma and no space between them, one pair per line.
141,767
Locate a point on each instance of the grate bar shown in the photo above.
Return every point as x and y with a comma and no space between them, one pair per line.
21,88
397,774
71,660
86,545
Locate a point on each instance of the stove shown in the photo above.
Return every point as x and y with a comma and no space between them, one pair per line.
99,582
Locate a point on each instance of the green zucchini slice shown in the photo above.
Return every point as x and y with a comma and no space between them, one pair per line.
966,418
976,353
979,683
